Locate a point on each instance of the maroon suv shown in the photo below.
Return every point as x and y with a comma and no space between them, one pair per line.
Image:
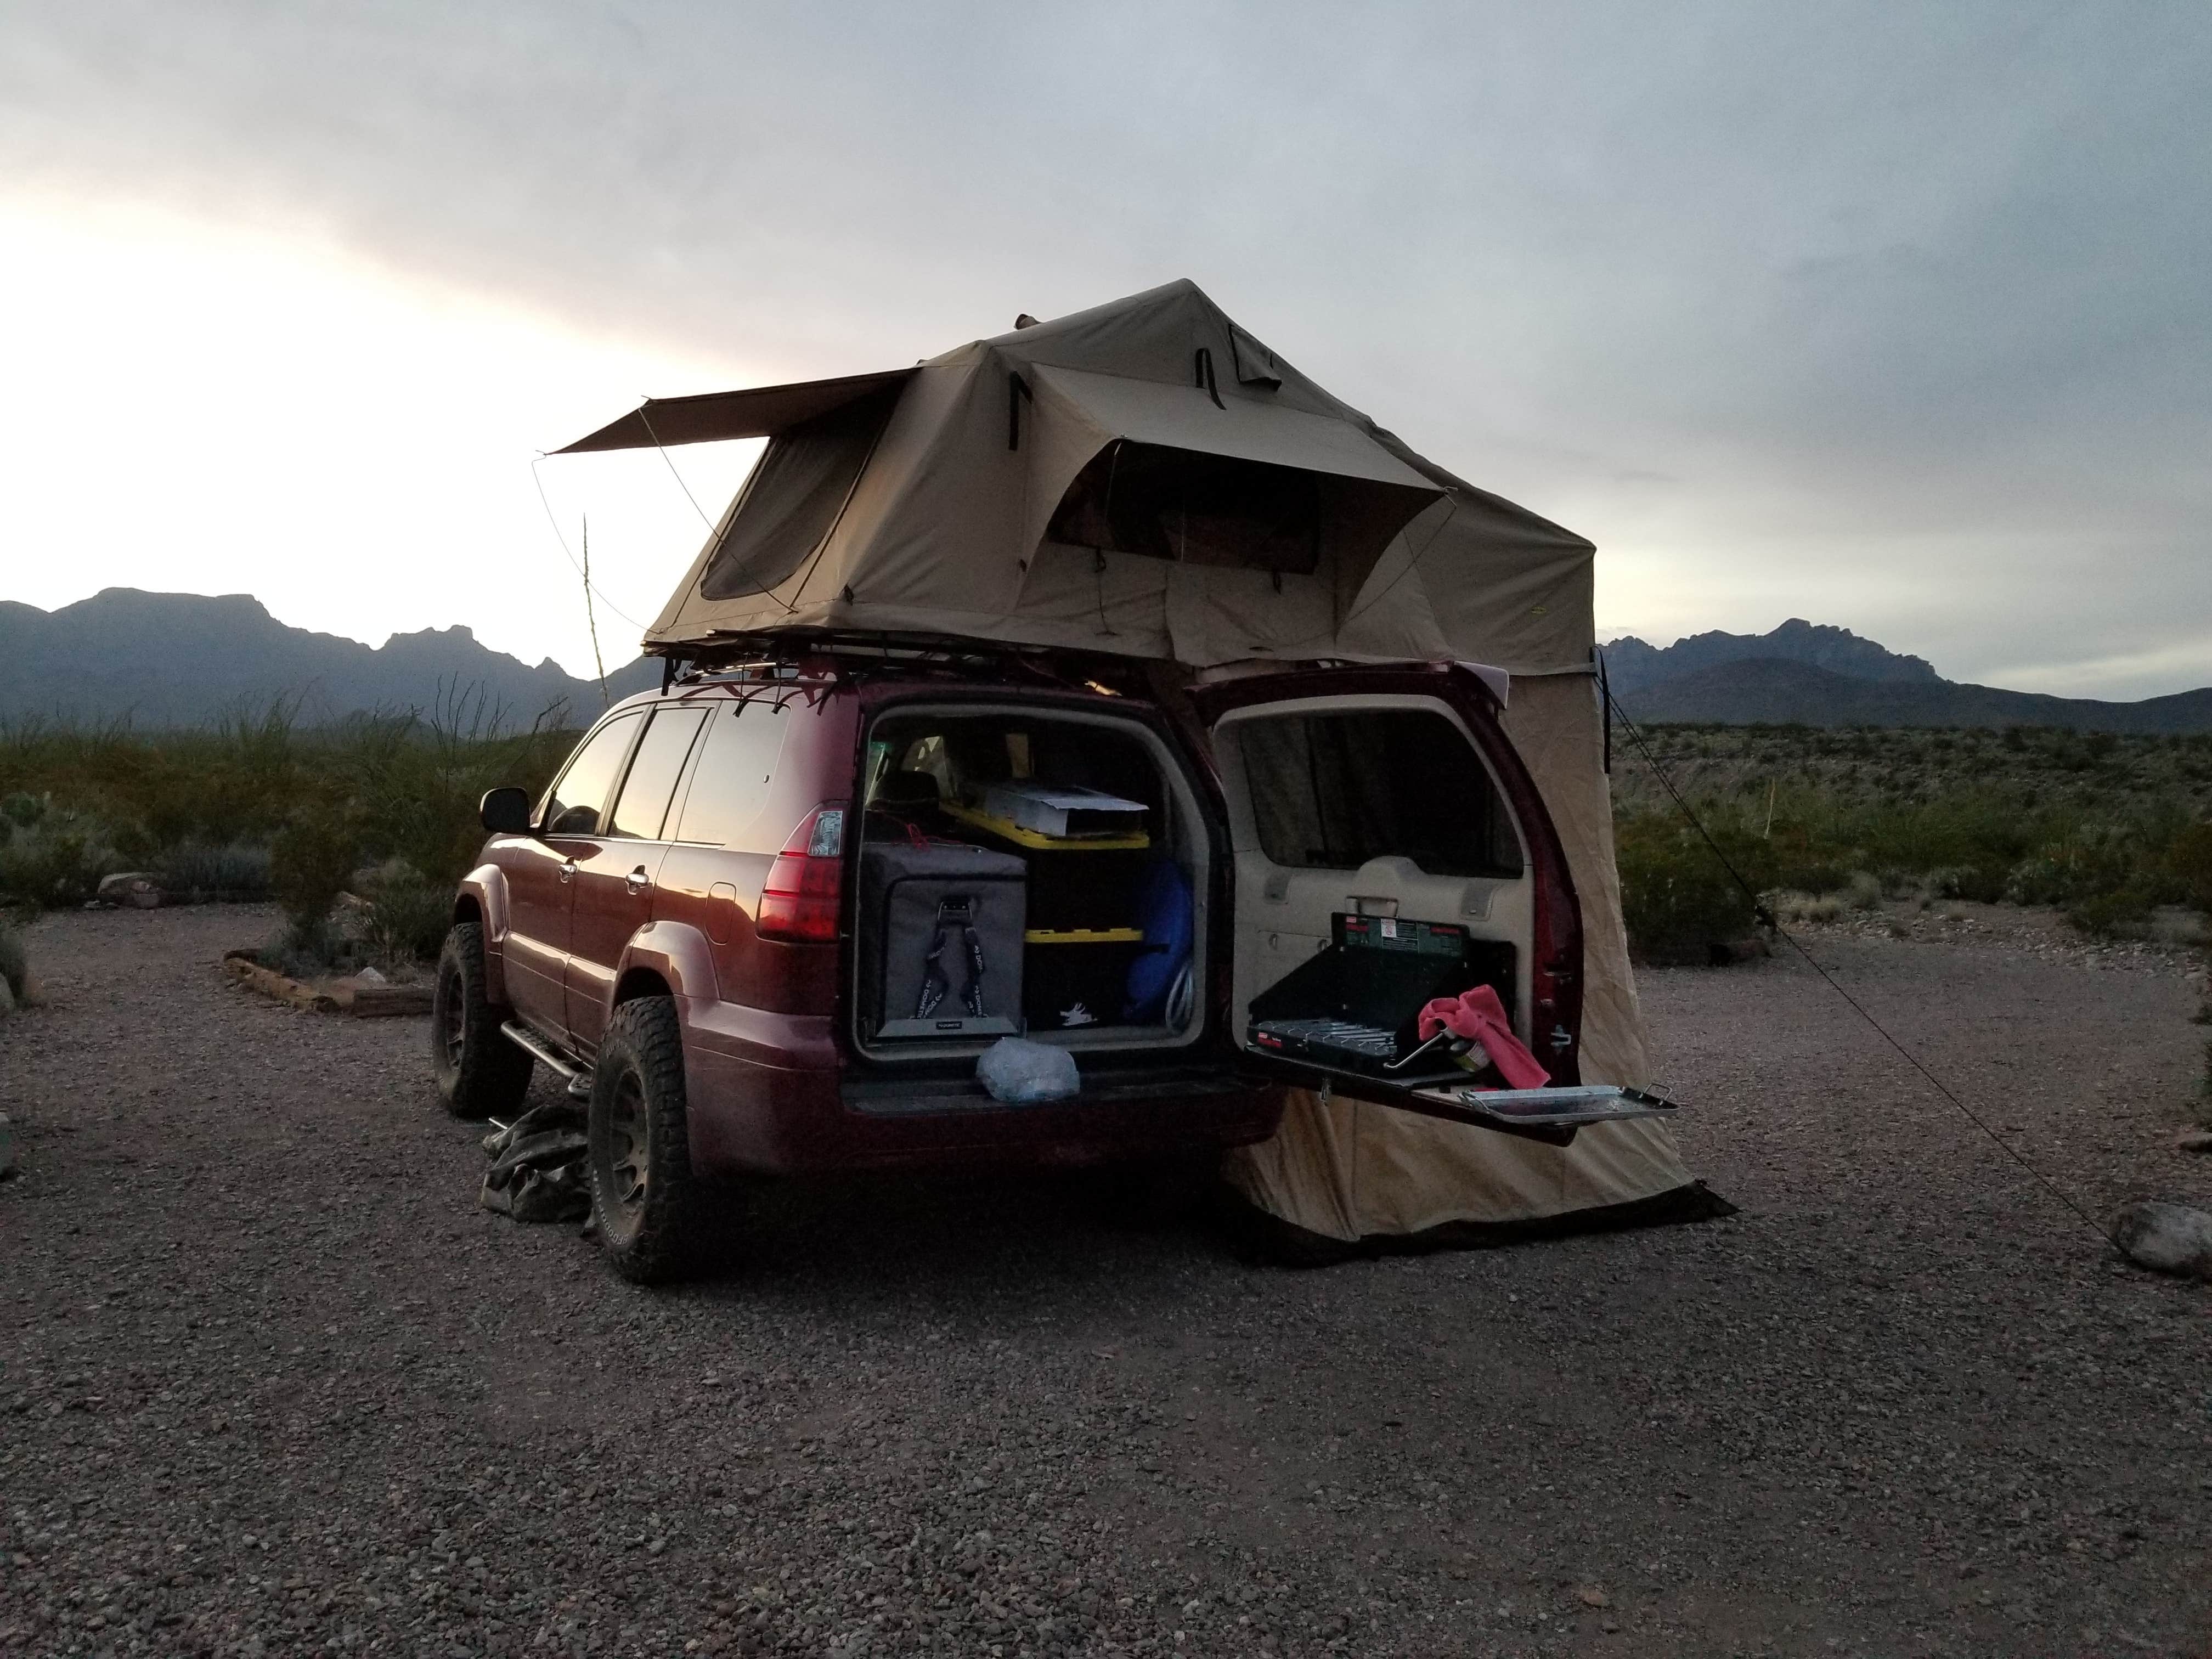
697,923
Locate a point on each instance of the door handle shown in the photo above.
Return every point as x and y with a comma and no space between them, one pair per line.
637,881
568,870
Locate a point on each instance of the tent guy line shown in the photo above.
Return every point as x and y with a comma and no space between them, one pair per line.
669,461
1769,919
555,524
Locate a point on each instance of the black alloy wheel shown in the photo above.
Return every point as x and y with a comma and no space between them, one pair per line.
653,1215
479,1071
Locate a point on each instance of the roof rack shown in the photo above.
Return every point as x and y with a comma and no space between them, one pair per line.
787,655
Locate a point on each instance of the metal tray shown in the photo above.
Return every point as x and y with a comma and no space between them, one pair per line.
1563,1109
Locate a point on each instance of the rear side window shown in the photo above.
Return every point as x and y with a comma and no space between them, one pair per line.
729,786
1330,792
647,790
574,807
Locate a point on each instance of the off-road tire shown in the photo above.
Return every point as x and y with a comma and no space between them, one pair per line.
480,1073
656,1220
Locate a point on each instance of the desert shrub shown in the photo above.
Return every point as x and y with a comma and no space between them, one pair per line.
14,963
419,778
408,914
1862,892
306,952
1792,909
309,864
1677,896
2079,865
1983,884
2109,914
197,804
1806,871
238,870
58,860
2189,863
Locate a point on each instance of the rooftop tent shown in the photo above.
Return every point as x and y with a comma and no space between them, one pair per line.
1145,478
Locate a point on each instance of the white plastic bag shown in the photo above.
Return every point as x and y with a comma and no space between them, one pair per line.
1020,1072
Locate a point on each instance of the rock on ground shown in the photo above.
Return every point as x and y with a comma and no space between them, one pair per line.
2171,1238
272,1383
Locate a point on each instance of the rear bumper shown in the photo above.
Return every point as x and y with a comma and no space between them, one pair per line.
761,1106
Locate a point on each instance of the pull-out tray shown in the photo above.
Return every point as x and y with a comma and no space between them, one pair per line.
1550,1115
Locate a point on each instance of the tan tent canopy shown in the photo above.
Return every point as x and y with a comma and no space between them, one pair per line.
763,412
1144,478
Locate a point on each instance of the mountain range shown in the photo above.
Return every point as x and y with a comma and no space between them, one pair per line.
1805,674
181,659
161,659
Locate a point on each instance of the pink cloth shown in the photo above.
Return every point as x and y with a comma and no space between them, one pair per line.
1479,1015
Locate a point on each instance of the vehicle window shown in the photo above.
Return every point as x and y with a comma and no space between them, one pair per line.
643,803
1330,792
729,786
573,808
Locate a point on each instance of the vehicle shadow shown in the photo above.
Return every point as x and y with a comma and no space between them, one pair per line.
1013,1234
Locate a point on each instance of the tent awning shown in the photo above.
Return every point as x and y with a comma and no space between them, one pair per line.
1189,417
759,412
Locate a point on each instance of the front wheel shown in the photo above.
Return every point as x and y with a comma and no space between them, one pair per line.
653,1213
479,1071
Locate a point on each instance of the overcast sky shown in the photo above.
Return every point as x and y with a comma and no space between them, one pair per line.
1890,316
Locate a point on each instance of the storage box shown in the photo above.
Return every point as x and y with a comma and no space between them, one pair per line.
1064,813
941,940
1073,884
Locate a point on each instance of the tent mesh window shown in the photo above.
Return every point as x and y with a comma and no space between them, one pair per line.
1330,792
1163,503
792,496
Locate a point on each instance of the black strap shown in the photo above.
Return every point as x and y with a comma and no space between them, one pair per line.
952,913
1202,368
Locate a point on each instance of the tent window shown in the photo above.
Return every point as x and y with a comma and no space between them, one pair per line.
1194,508
792,497
1330,792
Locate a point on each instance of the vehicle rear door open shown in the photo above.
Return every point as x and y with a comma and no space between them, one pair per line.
1389,848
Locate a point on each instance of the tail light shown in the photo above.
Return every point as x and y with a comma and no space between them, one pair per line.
798,900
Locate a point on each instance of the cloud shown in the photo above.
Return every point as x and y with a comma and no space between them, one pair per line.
1887,315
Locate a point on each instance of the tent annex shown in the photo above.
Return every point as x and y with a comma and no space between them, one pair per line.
1144,478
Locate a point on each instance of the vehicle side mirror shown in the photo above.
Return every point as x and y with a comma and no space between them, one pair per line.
506,812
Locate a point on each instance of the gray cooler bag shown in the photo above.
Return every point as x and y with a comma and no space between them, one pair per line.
941,929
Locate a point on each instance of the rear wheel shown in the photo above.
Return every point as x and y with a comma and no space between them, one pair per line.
479,1071
654,1214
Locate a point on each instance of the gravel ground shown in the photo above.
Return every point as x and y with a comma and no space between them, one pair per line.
273,1383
